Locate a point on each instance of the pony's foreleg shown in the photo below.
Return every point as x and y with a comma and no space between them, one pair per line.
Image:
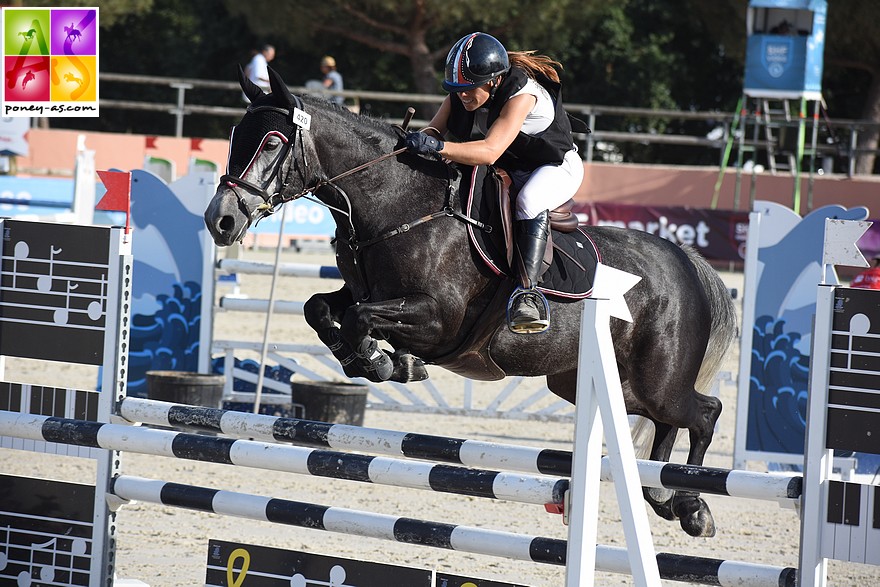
412,321
323,312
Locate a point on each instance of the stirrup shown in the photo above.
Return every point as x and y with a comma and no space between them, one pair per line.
536,326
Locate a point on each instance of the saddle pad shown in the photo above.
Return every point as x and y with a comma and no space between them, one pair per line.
564,278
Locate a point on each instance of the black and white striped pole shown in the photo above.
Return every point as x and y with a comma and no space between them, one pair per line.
784,488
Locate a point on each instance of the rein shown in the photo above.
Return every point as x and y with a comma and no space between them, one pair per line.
448,210
272,201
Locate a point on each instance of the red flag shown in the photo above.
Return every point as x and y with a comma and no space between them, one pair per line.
195,144
118,196
150,142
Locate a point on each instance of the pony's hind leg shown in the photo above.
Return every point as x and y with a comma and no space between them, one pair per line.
687,506
699,418
658,498
691,509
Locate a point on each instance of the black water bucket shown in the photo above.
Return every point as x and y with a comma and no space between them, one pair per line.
326,401
181,387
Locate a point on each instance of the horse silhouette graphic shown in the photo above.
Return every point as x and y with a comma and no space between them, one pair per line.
69,77
29,35
72,33
30,75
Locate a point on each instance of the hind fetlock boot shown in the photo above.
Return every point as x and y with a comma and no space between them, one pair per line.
531,243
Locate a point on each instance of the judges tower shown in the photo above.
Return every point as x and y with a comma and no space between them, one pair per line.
784,62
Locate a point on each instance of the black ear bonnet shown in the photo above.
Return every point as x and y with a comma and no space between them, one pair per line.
248,136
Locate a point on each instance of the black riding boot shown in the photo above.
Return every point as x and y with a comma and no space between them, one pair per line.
531,242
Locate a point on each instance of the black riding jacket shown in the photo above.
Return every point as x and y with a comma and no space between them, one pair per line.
527,152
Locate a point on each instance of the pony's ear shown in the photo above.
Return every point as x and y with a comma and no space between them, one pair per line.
279,88
250,89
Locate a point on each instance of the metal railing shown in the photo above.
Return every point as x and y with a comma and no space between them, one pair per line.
845,131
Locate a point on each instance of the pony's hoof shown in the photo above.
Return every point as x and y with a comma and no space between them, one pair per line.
408,368
695,517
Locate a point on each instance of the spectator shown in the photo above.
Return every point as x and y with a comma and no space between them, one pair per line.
870,277
258,69
332,78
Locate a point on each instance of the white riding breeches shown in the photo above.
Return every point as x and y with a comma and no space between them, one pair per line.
548,187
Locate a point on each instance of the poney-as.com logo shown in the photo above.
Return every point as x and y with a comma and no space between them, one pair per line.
50,62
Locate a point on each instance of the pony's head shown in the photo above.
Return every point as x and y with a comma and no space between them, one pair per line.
262,169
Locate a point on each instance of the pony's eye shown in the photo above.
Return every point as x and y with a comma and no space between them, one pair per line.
272,144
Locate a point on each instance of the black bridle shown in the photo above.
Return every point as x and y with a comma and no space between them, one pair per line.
271,202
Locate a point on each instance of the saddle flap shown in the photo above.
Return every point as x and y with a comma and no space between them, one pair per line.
503,183
561,219
573,254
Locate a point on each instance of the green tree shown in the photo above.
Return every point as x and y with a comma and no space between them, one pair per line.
175,38
640,53
852,60
418,31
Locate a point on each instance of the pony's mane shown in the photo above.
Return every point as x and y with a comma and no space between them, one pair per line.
362,122
373,132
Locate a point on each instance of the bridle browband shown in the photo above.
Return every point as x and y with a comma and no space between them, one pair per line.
271,202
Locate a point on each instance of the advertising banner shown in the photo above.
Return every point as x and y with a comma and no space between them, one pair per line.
719,235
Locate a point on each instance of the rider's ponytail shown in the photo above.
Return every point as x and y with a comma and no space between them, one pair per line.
535,64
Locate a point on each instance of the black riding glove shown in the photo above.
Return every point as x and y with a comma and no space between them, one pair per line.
422,144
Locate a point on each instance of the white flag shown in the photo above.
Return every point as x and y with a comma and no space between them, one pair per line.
840,242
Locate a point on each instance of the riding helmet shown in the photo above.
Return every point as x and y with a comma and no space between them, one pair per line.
474,60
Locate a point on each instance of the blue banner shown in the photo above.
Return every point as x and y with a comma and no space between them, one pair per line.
304,218
35,195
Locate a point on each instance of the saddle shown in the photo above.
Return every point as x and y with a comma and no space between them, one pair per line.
570,257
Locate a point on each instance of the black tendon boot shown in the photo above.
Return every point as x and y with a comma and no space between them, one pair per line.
531,242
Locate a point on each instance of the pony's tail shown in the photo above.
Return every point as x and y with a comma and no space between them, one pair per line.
642,433
724,329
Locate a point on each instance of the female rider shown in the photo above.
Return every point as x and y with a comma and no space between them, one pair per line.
505,108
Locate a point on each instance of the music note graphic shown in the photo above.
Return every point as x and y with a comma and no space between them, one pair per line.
44,282
337,576
337,579
21,251
96,308
62,315
85,290
4,557
46,572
